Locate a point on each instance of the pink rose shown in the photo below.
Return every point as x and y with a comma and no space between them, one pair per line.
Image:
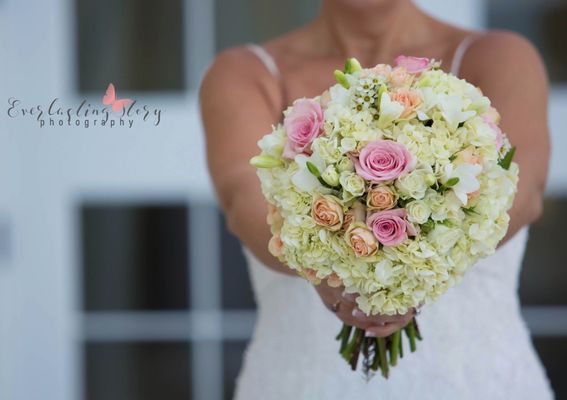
383,160
390,227
413,65
303,124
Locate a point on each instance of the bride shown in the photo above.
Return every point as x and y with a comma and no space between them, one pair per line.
476,344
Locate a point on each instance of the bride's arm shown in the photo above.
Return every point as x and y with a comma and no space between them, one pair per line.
238,100
238,108
510,72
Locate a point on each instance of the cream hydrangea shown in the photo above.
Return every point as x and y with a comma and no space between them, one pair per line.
450,173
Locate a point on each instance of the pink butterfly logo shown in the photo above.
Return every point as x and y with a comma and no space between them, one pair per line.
109,99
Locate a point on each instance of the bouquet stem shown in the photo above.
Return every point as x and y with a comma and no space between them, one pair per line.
377,353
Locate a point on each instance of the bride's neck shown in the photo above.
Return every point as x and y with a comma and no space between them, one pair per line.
369,32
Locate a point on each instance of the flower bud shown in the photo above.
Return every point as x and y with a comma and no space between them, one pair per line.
352,65
330,176
266,162
345,164
341,78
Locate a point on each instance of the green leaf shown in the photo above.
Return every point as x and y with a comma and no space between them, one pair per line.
506,161
313,169
471,210
341,78
452,182
427,226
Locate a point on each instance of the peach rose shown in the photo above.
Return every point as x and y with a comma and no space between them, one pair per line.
468,156
473,196
361,240
409,99
274,218
357,212
382,69
327,212
333,280
400,77
381,197
311,276
275,246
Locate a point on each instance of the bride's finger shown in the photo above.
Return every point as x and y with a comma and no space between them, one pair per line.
349,296
378,319
383,331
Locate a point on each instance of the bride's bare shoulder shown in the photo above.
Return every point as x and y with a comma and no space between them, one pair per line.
503,56
235,64
238,73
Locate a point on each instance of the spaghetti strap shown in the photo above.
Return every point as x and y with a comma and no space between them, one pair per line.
460,53
270,64
265,58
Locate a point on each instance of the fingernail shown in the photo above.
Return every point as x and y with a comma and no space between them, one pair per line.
357,313
371,334
348,296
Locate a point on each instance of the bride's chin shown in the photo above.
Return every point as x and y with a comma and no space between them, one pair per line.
365,3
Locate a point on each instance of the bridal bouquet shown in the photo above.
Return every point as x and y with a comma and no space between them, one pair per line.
392,183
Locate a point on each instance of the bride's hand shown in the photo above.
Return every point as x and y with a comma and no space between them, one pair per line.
345,308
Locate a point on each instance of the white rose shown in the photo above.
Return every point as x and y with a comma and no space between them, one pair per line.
353,185
415,184
418,211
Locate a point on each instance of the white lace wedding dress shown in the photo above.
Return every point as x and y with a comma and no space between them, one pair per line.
475,343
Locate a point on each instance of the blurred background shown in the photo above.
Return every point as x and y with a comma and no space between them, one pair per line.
118,278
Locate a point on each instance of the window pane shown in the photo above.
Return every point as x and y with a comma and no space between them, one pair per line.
5,238
553,353
543,277
542,21
136,44
134,257
236,289
243,21
233,353
137,371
